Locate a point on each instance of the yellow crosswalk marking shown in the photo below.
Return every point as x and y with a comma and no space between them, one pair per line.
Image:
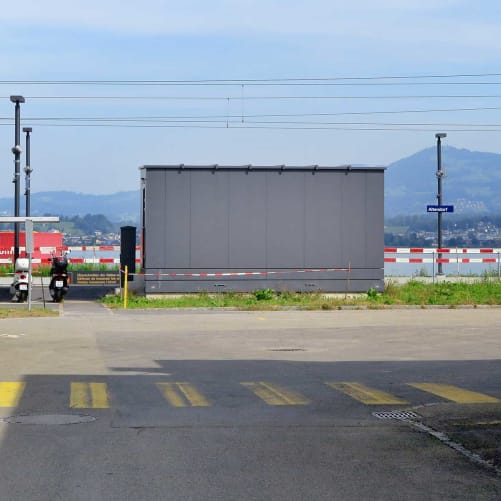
94,395
10,393
182,395
455,394
367,395
275,395
89,396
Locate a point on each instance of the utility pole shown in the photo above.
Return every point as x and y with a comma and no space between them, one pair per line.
17,169
440,175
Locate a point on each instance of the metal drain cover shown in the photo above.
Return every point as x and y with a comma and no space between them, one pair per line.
286,349
401,415
49,419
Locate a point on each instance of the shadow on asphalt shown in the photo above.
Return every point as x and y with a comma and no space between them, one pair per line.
286,438
75,293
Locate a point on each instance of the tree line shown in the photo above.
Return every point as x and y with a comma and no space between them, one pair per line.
459,230
88,224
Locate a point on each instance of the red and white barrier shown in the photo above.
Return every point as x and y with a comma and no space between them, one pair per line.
43,255
459,253
95,248
415,255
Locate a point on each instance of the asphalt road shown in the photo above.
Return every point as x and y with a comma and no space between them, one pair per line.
208,405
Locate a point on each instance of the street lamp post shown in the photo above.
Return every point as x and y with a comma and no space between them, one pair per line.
28,170
440,175
17,169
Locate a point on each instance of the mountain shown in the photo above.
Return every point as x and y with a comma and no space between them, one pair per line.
122,206
472,182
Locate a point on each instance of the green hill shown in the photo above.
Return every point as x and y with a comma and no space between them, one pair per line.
472,183
117,207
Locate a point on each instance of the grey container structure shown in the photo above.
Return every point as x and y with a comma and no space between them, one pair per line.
243,228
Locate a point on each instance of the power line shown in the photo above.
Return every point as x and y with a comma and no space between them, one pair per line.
240,125
256,98
406,129
247,119
270,115
245,80
226,119
255,84
423,124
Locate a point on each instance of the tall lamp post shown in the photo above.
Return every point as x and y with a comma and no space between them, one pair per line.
440,175
17,169
27,170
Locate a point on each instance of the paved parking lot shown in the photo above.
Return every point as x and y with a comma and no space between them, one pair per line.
253,405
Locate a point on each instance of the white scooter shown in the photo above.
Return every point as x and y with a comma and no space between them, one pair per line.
20,284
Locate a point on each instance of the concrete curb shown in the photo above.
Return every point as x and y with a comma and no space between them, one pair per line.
473,430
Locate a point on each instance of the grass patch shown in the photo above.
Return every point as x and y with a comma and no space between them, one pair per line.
257,300
483,292
415,293
24,313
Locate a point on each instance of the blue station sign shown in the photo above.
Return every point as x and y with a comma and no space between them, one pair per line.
440,208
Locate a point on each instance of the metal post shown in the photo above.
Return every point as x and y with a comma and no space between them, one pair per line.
17,168
30,283
126,286
433,265
499,265
440,175
28,170
28,231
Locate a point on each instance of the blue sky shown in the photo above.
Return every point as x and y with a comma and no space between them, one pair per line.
241,123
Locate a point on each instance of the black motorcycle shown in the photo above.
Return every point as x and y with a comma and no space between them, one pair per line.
59,282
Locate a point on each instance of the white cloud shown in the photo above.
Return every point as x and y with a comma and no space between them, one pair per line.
248,38
444,26
200,16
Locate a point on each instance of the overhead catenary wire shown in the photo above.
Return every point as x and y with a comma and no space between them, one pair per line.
264,84
269,97
240,125
238,119
247,81
283,121
261,115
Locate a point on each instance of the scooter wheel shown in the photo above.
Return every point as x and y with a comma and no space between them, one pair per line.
23,296
58,296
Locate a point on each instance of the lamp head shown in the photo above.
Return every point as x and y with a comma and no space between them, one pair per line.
27,129
17,99
440,135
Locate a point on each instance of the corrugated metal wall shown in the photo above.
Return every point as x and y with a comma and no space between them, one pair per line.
208,220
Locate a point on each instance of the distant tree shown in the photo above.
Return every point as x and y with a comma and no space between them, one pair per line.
91,223
456,242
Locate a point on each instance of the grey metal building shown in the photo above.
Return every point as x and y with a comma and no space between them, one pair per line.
243,228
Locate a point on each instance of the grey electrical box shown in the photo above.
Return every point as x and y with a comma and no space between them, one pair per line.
243,228
28,230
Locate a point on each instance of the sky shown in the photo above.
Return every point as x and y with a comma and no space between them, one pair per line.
113,85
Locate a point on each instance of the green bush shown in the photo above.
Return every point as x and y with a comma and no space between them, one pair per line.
264,294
